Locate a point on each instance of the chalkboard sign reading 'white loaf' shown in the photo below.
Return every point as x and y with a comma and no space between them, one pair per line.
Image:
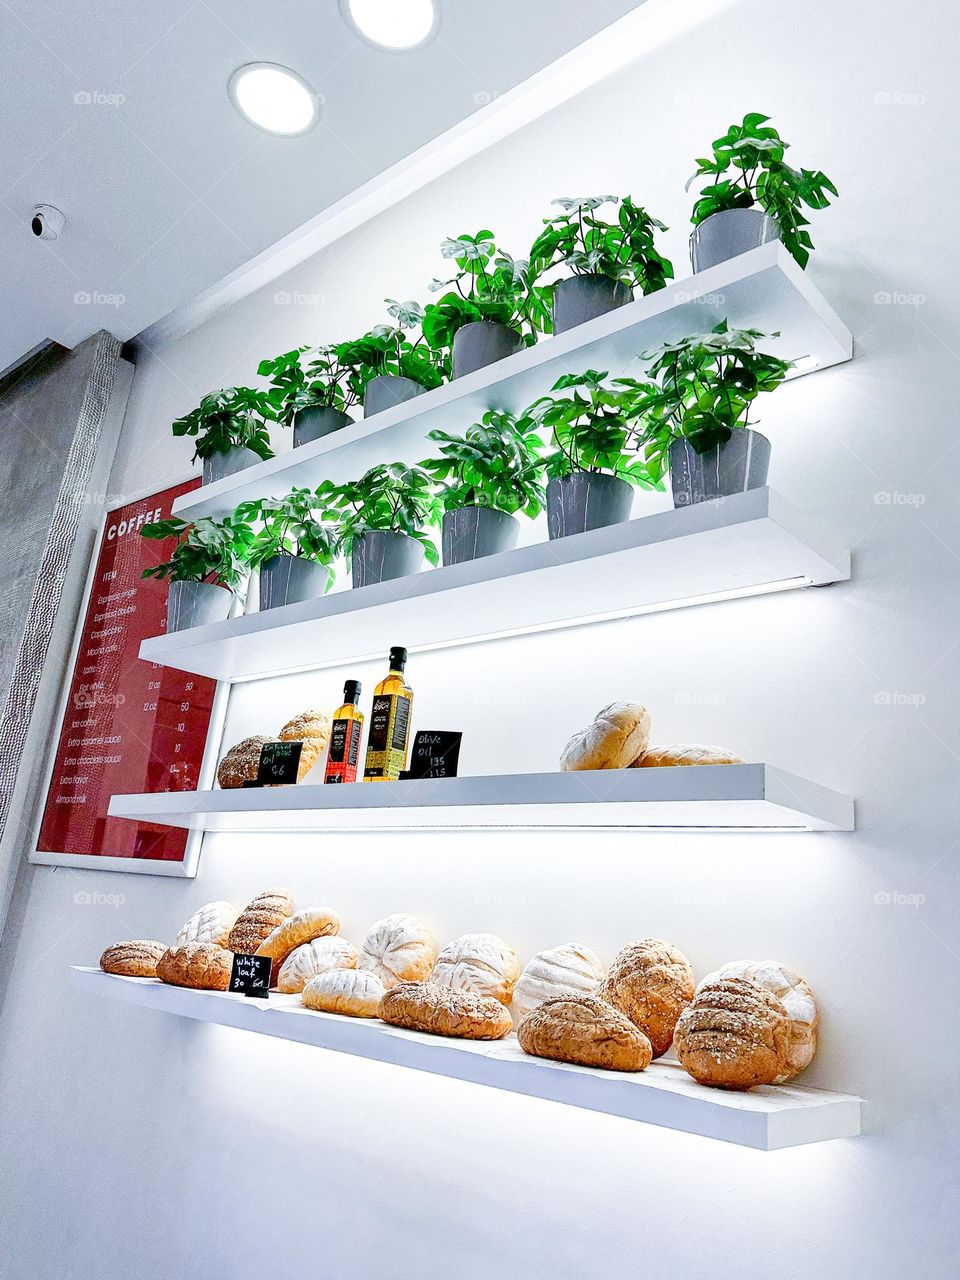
250,975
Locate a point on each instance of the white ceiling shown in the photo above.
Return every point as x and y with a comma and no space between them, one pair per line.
166,189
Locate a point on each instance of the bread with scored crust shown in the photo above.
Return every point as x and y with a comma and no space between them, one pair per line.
478,962
584,1030
734,1034
300,928
441,1011
209,923
312,728
398,948
353,992
650,981
617,736
315,957
258,920
798,1000
567,970
241,763
201,965
671,757
135,959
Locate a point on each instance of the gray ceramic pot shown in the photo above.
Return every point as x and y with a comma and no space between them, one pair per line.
481,343
470,533
583,298
740,464
386,391
236,459
289,580
381,555
194,604
316,422
586,500
728,234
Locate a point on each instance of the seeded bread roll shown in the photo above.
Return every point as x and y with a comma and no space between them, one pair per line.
198,964
318,956
797,999
670,757
135,959
618,735
312,728
210,923
652,983
478,962
398,948
241,763
567,970
425,1006
303,926
258,920
584,1030
350,991
733,1035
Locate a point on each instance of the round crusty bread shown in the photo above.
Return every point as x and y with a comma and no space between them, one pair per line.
478,962
198,964
651,981
209,923
135,959
618,735
315,957
301,927
567,970
733,1035
350,991
312,728
426,1006
585,1030
241,763
258,920
398,948
670,757
796,997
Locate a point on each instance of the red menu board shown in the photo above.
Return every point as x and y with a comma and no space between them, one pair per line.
128,726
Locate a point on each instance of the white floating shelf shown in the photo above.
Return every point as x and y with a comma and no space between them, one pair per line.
745,797
664,1095
763,289
743,545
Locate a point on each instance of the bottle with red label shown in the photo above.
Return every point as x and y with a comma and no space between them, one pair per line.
343,754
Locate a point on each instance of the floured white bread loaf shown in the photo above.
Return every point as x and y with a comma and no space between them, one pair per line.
316,957
301,927
670,757
734,1034
210,923
478,962
567,970
399,948
618,735
351,991
797,999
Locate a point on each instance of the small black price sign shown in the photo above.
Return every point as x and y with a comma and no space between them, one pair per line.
279,763
250,976
435,754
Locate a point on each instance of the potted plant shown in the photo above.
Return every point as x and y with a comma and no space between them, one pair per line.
387,367
230,430
383,518
293,548
206,569
591,470
491,471
312,395
492,310
608,260
694,417
754,196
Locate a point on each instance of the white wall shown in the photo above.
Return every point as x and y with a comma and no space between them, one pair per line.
124,1131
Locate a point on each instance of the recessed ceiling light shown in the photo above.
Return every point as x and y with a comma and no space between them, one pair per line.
274,98
393,24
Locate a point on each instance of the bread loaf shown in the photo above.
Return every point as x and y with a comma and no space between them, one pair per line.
312,728
426,1006
241,763
399,948
733,1035
478,962
197,964
652,983
258,920
135,959
350,991
670,757
587,1031
567,970
797,999
315,957
301,927
210,923
618,735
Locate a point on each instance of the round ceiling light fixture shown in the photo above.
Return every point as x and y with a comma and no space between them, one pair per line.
274,98
399,25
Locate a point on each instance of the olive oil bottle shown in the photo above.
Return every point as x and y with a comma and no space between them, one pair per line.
389,737
343,755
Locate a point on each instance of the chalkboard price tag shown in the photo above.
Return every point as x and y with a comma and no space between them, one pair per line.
250,976
279,763
435,754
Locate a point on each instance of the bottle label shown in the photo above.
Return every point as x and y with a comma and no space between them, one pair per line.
344,751
387,744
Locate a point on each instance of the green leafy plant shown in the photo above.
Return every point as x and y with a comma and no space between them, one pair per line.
387,349
391,497
495,463
488,285
623,250
752,153
208,550
292,525
320,381
702,390
591,429
236,416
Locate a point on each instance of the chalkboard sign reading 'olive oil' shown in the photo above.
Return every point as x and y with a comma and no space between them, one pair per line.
389,723
343,756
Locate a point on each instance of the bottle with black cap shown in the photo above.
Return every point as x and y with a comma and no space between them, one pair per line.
390,717
343,756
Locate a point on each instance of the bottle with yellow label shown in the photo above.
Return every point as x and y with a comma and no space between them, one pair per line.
343,754
389,737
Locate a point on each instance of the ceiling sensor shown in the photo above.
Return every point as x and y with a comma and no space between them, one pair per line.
46,222
274,98
398,25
